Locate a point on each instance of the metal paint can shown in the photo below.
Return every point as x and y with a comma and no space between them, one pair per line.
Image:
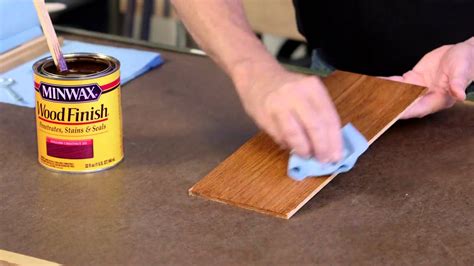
78,113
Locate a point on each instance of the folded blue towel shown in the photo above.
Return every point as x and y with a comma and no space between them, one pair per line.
133,63
354,145
18,23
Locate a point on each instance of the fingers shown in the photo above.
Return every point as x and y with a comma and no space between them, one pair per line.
458,88
436,99
266,123
459,67
430,103
328,120
292,133
303,118
460,76
322,129
447,72
280,123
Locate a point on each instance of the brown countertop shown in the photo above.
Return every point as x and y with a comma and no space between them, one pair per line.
410,199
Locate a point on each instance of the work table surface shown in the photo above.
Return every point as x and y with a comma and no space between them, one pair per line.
409,200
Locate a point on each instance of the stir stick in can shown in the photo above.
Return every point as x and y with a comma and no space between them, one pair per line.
50,34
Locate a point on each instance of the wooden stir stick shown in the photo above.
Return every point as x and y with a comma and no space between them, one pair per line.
50,34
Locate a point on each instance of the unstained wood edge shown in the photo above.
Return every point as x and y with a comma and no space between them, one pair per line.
19,259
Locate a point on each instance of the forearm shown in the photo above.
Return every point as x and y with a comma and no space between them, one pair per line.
221,29
294,109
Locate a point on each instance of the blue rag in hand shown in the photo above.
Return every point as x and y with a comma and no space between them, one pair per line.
354,145
18,23
133,63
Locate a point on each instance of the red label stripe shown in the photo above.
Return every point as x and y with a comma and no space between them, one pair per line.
79,123
111,85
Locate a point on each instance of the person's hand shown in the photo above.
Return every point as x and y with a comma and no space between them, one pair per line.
294,109
447,72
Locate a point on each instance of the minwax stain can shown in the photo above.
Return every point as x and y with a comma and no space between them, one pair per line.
78,113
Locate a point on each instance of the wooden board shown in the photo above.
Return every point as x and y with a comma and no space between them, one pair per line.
24,53
13,259
254,177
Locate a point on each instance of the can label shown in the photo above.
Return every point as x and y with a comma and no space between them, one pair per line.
79,122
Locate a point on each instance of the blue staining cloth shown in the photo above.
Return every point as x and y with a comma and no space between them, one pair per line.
18,23
355,145
133,64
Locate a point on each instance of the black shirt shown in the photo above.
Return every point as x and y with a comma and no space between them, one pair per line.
379,37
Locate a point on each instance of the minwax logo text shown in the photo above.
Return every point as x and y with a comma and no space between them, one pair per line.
87,93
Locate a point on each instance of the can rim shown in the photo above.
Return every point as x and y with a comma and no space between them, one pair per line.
114,65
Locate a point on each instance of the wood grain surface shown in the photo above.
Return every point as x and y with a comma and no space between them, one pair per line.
254,177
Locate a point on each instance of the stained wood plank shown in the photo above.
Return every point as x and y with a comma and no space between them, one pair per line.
254,177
